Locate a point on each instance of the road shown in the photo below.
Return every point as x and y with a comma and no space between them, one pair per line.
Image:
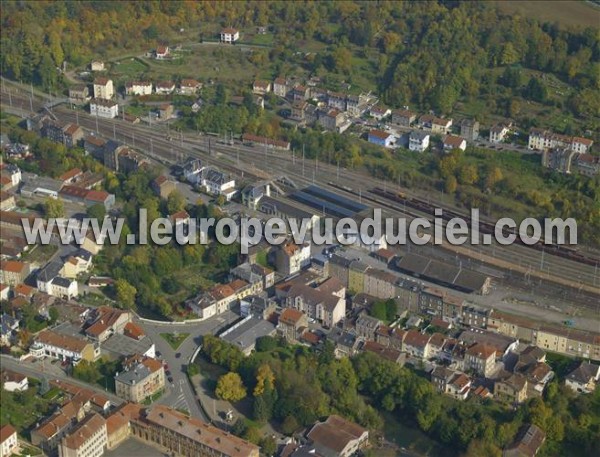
242,161
35,371
180,394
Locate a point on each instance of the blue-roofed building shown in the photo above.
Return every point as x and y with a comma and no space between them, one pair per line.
382,138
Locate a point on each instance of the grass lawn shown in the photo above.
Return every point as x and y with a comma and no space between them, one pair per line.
40,253
129,67
23,409
565,13
174,339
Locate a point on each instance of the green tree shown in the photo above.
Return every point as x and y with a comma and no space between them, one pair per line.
230,387
54,315
467,174
268,445
87,371
450,184
175,202
97,211
125,293
54,208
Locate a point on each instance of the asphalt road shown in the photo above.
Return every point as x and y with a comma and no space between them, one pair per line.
180,394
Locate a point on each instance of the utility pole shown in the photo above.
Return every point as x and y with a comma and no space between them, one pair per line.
303,160
114,131
96,121
151,147
9,98
338,170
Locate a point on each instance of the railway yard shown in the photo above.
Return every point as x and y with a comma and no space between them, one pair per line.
554,278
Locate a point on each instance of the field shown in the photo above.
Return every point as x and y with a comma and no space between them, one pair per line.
565,13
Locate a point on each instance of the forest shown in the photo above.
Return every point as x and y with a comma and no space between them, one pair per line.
293,386
430,55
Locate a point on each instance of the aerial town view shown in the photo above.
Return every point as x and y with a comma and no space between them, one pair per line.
300,228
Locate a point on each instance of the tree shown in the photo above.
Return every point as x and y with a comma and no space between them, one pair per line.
54,315
125,293
175,202
450,184
97,211
467,174
268,445
536,90
265,379
230,387
54,208
221,200
87,371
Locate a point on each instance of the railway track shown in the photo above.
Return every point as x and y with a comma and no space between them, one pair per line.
238,159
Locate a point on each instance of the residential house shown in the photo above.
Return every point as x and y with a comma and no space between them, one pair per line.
584,378
103,88
94,146
356,105
403,117
381,138
104,108
260,306
338,437
499,131
481,358
78,263
280,87
87,197
323,301
165,111
435,124
385,352
217,182
298,111
290,258
79,94
256,275
229,35
64,347
336,101
512,388
8,328
164,87
163,186
142,378
333,121
380,112
261,87
366,327
189,170
469,129
346,342
587,165
418,141
87,439
189,87
454,142
299,93
292,324
107,322
13,272
161,52
133,331
13,173
252,194
502,344
214,301
9,441
540,139
138,88
416,344
453,383
528,442
97,65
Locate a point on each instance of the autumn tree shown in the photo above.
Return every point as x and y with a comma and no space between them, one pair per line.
54,208
125,293
230,387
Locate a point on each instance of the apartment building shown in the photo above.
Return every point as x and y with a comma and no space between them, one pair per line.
142,378
87,439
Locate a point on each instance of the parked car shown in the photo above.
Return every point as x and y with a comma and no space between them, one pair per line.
178,355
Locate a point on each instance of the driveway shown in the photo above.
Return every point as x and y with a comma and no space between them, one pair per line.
180,394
